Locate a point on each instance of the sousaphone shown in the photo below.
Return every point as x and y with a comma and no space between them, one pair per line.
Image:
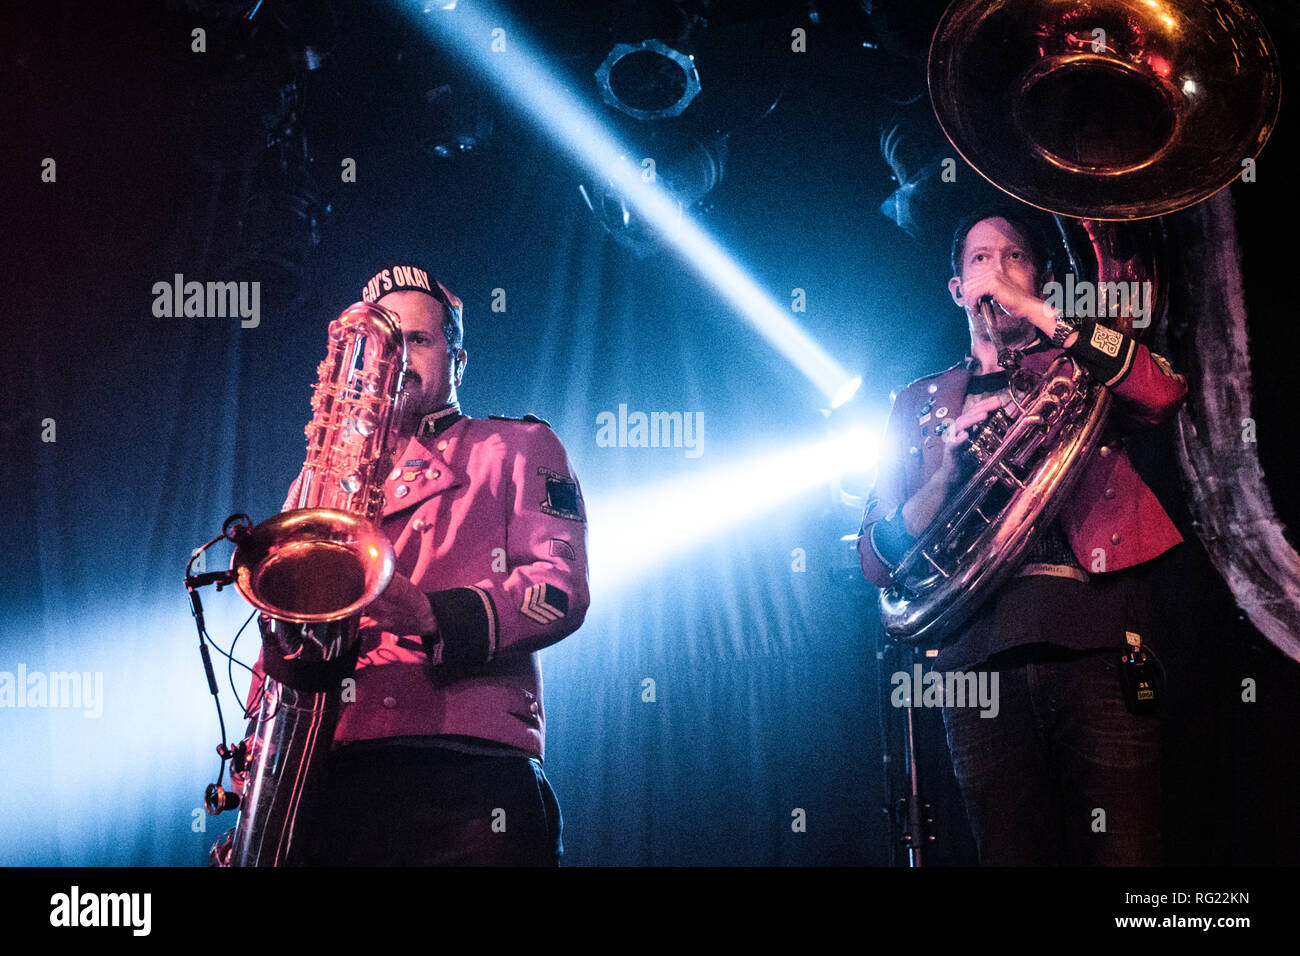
1100,112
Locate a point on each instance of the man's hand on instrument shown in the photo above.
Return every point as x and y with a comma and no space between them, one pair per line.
402,609
1014,300
919,510
955,436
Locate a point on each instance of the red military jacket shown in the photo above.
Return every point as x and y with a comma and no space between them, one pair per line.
486,517
1110,508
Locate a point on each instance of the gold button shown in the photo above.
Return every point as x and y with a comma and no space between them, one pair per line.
432,473
1114,538
390,702
1110,493
1105,450
442,445
419,524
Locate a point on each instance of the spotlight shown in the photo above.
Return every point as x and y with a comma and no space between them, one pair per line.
847,391
648,80
456,120
685,169
278,229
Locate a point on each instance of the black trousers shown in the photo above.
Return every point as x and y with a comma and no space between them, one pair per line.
1063,774
426,806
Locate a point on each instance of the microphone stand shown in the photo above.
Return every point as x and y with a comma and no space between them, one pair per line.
910,814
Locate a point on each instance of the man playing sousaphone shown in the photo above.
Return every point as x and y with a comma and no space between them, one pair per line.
1074,740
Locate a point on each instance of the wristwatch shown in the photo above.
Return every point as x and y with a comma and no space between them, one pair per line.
1062,331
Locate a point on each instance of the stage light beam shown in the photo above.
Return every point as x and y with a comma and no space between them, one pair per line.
500,50
636,530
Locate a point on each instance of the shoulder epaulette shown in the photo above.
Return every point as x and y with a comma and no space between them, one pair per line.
925,378
530,419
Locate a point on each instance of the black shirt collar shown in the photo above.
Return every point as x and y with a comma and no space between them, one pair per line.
995,381
992,382
435,423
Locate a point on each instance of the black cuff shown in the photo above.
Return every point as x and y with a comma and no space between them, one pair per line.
467,626
310,677
1106,354
890,540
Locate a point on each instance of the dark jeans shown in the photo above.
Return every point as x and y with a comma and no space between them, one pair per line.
1064,773
424,806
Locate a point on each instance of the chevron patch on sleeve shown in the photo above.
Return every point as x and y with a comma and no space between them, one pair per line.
545,603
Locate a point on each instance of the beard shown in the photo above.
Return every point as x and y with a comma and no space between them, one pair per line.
413,403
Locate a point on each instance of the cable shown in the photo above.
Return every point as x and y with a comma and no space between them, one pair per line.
231,528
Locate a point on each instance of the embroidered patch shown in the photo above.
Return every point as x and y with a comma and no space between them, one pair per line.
562,497
544,603
562,549
1106,340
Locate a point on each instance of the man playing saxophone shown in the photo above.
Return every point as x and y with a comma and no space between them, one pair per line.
1066,770
437,754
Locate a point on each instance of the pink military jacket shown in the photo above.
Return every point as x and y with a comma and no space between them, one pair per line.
1111,508
486,517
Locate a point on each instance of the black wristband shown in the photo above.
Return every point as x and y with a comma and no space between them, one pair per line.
467,626
890,540
316,677
1105,353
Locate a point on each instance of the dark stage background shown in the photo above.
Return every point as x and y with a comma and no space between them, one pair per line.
768,691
